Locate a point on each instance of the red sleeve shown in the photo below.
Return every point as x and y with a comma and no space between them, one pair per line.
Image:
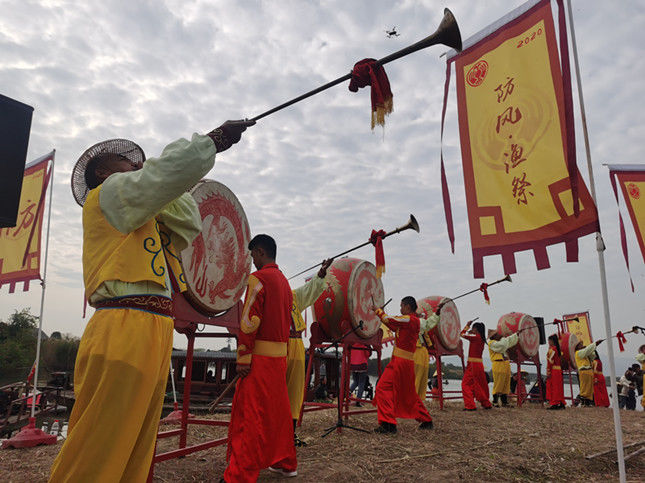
393,323
251,320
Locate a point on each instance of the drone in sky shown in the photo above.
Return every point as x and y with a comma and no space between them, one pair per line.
392,32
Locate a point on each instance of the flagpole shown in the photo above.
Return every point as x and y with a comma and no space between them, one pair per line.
43,283
600,247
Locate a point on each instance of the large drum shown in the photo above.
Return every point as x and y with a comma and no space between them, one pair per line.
449,326
568,343
218,263
529,337
353,290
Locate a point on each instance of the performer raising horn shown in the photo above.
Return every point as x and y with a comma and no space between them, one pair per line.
303,297
584,361
122,363
473,384
396,395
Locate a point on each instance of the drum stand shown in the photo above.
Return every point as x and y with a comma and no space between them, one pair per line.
520,359
437,351
569,373
319,340
186,319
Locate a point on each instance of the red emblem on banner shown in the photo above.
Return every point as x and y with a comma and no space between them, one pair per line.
477,73
634,192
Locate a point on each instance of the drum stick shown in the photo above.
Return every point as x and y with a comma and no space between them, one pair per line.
382,306
213,405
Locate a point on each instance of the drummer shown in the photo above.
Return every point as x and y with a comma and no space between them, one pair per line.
584,361
422,355
122,363
303,297
497,347
396,395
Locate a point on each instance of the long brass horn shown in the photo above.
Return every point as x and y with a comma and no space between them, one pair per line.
447,34
507,278
412,224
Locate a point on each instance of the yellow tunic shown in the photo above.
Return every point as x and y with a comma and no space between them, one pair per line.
421,356
303,297
585,370
122,363
501,364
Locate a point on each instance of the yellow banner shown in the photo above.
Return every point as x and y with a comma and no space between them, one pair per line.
579,325
22,242
513,134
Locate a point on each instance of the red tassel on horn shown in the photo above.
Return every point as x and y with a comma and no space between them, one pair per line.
368,72
376,239
484,289
621,341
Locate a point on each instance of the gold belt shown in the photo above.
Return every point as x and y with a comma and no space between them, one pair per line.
270,348
557,367
474,359
403,354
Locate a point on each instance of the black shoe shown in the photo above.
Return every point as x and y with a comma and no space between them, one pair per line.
554,407
467,409
488,407
358,404
298,442
386,428
425,425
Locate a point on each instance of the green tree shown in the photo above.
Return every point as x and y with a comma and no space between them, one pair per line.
17,345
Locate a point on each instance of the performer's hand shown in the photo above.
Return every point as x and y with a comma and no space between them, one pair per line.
439,307
322,273
229,133
599,341
243,370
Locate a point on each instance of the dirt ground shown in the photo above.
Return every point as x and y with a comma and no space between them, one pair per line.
527,444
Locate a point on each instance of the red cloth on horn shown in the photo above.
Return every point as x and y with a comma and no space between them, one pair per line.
484,289
621,341
376,239
396,394
368,72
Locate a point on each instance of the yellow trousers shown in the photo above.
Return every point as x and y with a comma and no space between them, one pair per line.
295,374
119,382
421,370
501,377
585,377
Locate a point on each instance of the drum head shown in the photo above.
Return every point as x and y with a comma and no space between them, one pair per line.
572,343
218,263
449,326
365,291
529,337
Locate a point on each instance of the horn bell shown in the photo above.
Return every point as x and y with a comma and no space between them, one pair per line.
413,223
449,31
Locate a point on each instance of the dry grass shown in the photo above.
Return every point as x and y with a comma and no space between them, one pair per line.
529,444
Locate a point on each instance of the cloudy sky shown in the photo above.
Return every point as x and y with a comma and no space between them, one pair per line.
315,176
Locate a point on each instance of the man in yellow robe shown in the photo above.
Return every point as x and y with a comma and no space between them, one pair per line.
640,357
122,363
497,347
303,297
584,361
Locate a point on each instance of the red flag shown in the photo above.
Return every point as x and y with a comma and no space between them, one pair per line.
31,373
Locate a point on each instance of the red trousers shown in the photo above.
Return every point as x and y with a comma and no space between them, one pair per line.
600,396
555,388
261,431
474,386
396,394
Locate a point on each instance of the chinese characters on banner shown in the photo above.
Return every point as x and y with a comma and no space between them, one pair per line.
511,104
579,325
631,179
22,242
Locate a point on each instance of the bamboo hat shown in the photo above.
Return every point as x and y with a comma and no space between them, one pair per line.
121,147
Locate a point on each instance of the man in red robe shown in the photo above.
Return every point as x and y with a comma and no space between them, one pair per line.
260,434
396,393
